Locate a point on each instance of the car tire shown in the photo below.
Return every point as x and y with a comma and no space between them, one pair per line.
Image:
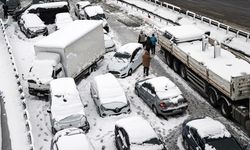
130,72
155,110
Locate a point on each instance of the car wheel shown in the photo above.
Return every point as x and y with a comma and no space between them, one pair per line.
130,72
185,144
155,110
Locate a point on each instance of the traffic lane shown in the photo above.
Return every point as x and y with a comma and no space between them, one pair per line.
235,13
6,142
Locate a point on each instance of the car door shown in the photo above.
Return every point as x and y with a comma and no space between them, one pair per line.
193,139
148,96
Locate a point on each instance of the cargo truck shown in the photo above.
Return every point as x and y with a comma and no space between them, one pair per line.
72,51
221,75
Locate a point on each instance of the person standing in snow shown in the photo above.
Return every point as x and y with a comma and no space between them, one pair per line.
153,40
148,44
146,62
5,11
142,38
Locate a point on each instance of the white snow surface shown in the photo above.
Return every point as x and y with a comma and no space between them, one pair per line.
129,48
65,99
63,19
72,138
93,10
109,89
164,87
83,4
209,128
137,128
47,5
32,21
70,33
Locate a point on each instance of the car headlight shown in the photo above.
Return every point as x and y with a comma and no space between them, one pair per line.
124,68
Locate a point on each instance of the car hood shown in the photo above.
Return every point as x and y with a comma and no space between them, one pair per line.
117,64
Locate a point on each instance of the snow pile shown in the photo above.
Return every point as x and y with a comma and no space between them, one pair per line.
129,48
32,21
109,89
47,5
65,99
138,129
209,128
72,138
69,34
93,10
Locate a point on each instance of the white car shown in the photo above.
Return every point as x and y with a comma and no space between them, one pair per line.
135,133
31,25
126,59
63,19
79,9
67,109
75,136
109,43
109,96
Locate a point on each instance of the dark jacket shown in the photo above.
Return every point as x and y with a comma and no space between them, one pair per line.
146,59
148,44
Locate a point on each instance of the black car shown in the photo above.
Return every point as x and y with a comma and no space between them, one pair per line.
135,133
31,25
207,134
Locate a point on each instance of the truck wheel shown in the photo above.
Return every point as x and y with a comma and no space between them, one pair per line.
213,97
169,59
176,65
183,71
248,127
226,109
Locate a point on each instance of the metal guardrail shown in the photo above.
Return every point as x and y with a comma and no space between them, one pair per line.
20,90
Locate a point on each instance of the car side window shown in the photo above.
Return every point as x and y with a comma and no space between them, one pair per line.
133,56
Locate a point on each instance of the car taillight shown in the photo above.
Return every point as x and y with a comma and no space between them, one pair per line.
163,105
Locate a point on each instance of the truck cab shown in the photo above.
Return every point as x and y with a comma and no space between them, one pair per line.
46,67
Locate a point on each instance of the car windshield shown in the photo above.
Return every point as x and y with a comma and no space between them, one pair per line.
122,55
224,144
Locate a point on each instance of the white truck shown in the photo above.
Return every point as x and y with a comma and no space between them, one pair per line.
72,51
211,67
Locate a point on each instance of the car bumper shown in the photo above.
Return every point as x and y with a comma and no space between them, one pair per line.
174,111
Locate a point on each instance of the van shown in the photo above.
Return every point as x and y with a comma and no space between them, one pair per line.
67,109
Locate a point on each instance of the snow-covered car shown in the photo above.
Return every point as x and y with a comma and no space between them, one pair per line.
126,59
63,19
71,138
109,96
109,43
31,25
67,109
135,133
161,95
206,133
96,13
79,9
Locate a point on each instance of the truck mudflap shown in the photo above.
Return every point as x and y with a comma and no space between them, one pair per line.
240,87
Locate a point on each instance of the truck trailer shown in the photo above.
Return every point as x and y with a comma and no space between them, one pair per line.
221,75
72,51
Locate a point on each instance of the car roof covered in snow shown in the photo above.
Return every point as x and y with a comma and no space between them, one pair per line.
184,31
63,19
129,48
93,10
164,87
83,3
48,5
65,99
109,88
70,33
209,128
72,138
138,129
32,20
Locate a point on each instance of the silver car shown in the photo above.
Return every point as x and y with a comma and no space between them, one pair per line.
161,95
